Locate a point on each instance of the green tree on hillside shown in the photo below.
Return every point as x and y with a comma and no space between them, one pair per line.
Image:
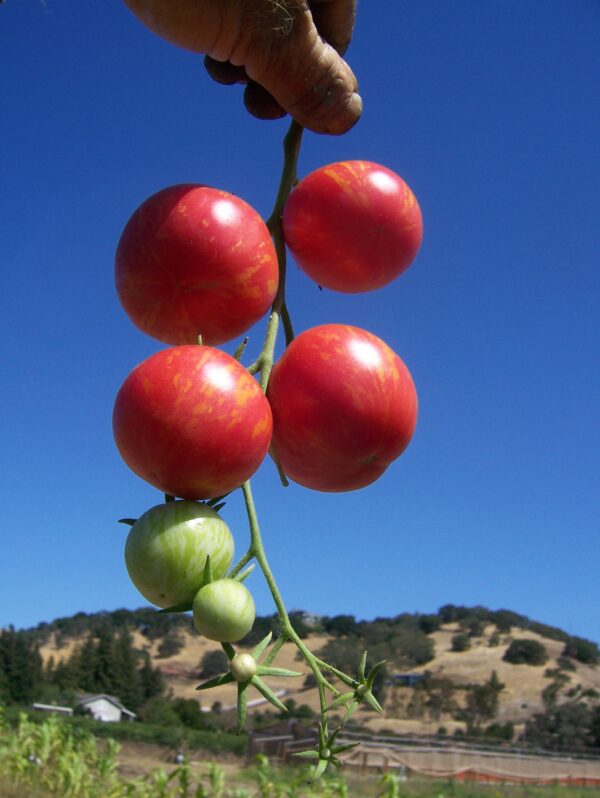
21,668
525,652
481,704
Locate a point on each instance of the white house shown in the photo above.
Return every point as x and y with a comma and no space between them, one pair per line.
105,707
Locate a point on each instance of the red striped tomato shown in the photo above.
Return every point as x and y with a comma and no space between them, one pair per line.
344,407
195,260
191,421
353,226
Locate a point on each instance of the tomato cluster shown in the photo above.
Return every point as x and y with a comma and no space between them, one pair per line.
196,265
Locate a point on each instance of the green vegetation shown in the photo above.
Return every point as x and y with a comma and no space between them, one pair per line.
55,758
525,652
461,642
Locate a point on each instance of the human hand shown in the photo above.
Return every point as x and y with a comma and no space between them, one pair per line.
287,51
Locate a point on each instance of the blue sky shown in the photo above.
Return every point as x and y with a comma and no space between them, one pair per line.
490,112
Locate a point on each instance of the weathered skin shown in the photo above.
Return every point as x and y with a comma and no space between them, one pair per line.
277,45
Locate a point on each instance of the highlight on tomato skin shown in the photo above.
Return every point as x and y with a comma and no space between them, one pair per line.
344,407
193,260
353,226
191,421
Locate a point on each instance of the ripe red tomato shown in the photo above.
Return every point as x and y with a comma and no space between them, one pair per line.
344,407
353,226
191,421
194,260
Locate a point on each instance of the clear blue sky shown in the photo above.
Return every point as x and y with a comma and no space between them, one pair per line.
490,112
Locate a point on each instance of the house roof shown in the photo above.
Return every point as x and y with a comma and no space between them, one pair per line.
89,698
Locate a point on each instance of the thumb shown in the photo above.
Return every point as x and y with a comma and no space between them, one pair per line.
305,75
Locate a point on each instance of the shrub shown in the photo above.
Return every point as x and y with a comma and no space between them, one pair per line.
461,642
582,650
213,663
500,731
169,646
525,652
566,664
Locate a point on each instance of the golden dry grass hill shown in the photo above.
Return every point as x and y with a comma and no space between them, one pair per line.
431,673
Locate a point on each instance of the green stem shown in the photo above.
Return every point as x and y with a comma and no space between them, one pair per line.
287,630
264,362
239,565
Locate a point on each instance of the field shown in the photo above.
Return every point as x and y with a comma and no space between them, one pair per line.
53,758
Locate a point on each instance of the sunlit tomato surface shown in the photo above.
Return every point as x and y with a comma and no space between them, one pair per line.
344,407
167,547
191,421
193,260
353,226
224,610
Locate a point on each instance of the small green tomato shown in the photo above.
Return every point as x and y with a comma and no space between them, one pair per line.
167,548
224,610
243,667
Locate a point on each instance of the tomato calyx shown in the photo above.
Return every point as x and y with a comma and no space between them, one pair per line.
245,670
362,690
326,751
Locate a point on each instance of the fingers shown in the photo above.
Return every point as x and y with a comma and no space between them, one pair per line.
257,100
306,76
260,103
224,71
335,21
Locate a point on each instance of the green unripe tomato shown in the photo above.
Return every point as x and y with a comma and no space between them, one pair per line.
243,667
167,547
224,610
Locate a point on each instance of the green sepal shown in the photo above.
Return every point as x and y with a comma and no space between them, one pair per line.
242,706
216,500
373,672
319,769
268,693
350,710
336,762
229,650
245,573
346,747
185,607
237,355
264,670
262,645
373,702
340,700
331,738
219,506
306,754
362,666
322,739
128,521
207,573
216,681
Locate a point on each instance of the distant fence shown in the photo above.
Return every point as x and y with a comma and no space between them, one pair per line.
449,762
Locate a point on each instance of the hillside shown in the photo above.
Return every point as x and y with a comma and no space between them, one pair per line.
416,644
